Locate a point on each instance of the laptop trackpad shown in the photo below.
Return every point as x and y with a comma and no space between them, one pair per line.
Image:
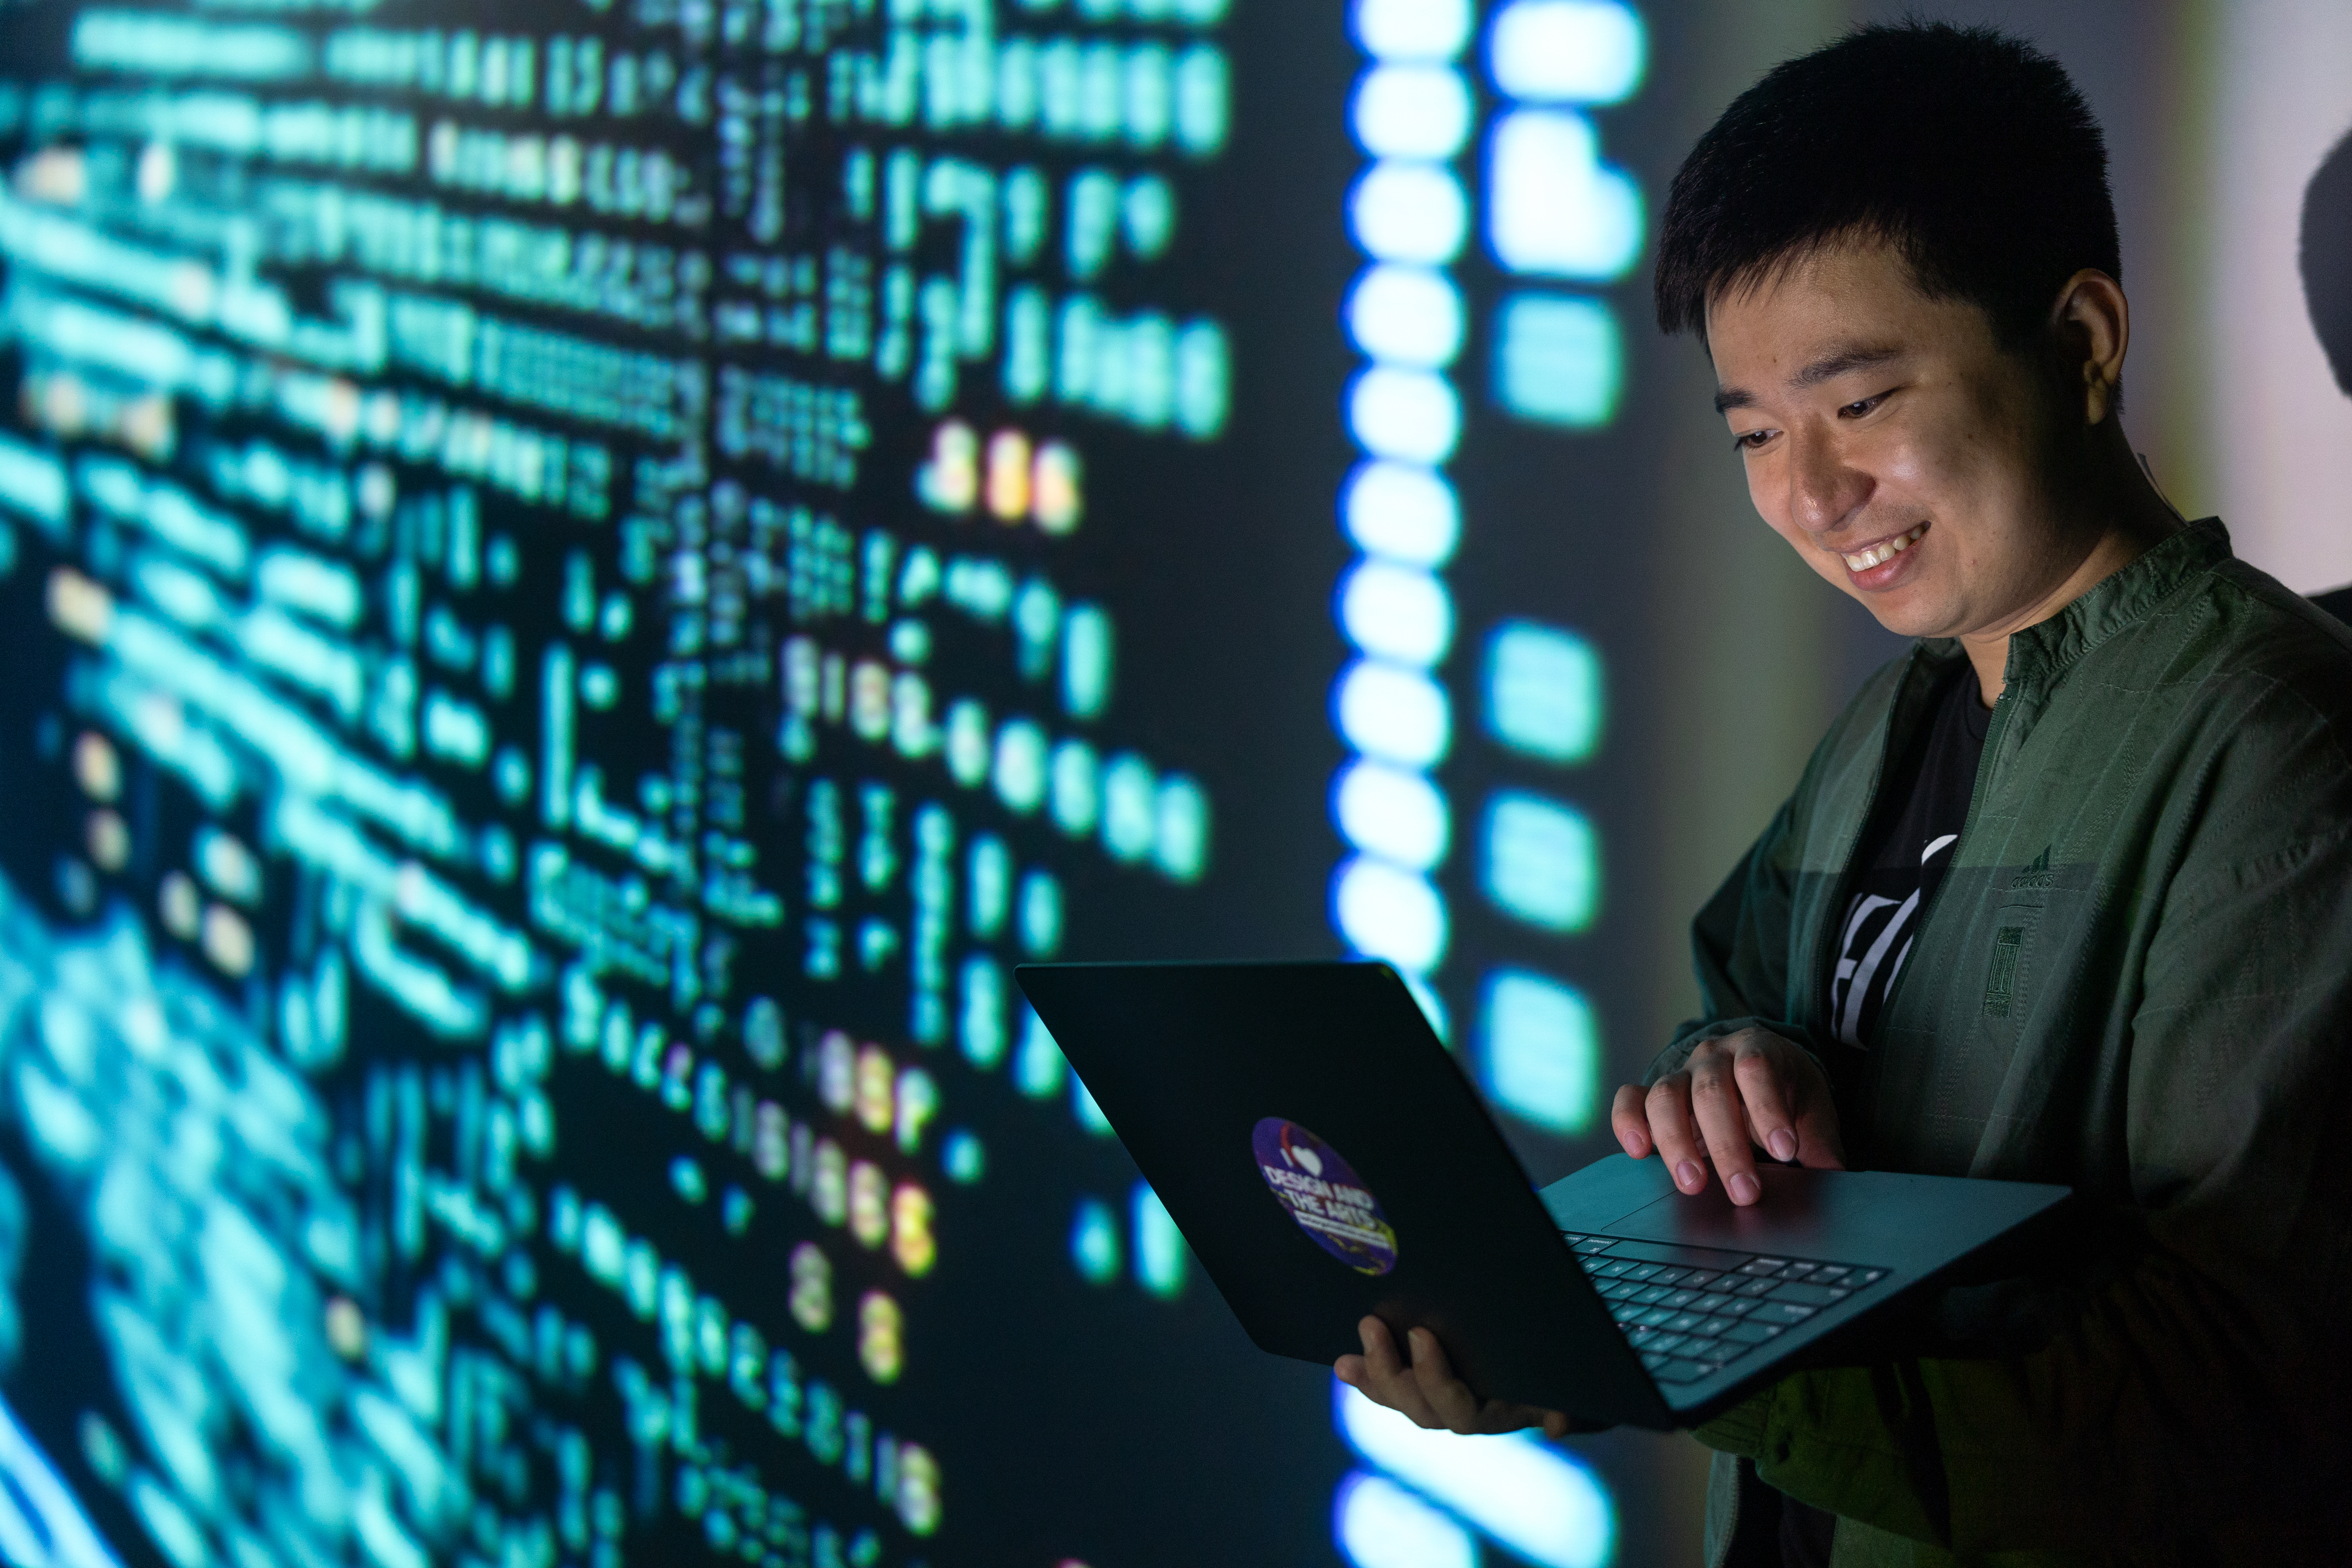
1795,1218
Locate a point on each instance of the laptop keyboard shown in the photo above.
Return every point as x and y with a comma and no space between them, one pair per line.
1693,1311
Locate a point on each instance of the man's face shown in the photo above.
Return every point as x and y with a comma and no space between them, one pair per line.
1890,440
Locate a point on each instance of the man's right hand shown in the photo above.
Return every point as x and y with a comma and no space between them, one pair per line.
1733,1095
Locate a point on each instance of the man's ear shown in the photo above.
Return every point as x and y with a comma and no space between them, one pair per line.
2093,319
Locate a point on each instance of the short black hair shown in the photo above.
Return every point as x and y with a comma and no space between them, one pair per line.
1967,149
2327,258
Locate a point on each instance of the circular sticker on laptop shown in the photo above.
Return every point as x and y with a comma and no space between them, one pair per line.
1324,1196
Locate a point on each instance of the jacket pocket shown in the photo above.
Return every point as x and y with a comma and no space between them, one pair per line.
2008,968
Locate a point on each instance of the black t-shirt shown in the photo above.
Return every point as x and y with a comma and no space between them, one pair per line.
1902,856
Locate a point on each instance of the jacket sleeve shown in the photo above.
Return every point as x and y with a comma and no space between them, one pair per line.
2188,1373
1740,945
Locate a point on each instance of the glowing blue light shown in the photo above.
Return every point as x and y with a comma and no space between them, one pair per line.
1101,84
1130,807
1148,95
1092,204
1379,1524
1551,208
1413,416
1093,1242
34,483
1146,215
1204,378
1179,822
1016,83
324,590
173,1529
963,1157
1159,1244
1396,613
1412,30
1538,1501
1041,914
1090,1113
1402,511
1543,691
41,1521
1433,1005
1086,660
1413,112
1558,360
1390,812
1387,912
981,1020
1409,212
1398,715
1027,326
1201,100
1075,792
132,41
1541,861
1568,51
187,597
991,874
1019,772
1038,1065
1540,1050
1406,315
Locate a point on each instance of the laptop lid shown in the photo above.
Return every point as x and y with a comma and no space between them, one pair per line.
1325,1158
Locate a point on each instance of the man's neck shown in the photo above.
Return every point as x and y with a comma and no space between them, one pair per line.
2125,515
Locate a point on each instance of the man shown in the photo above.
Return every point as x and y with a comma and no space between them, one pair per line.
2065,895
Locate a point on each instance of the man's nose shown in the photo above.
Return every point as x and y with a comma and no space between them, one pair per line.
1825,490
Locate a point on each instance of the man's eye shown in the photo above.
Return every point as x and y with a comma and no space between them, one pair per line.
1750,440
1856,409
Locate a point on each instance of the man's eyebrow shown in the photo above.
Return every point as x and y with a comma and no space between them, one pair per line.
1829,367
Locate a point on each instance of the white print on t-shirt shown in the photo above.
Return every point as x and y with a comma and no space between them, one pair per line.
1858,984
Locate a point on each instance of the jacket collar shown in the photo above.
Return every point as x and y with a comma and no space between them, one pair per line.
2113,605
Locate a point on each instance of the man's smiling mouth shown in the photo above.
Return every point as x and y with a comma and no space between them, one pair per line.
1883,551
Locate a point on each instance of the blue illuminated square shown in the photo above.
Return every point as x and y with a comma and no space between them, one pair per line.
1543,691
1539,861
1083,1106
1560,360
1094,1245
1038,1065
982,1023
1159,1244
34,483
1540,1050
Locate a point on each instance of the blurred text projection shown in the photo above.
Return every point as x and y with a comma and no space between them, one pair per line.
511,984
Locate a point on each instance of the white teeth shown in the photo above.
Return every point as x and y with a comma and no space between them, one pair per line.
1864,560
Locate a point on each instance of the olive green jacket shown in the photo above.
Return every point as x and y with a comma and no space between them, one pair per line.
2136,978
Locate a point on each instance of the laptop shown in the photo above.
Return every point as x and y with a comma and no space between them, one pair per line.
1325,1157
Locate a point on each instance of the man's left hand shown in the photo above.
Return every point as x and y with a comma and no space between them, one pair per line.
1426,1390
